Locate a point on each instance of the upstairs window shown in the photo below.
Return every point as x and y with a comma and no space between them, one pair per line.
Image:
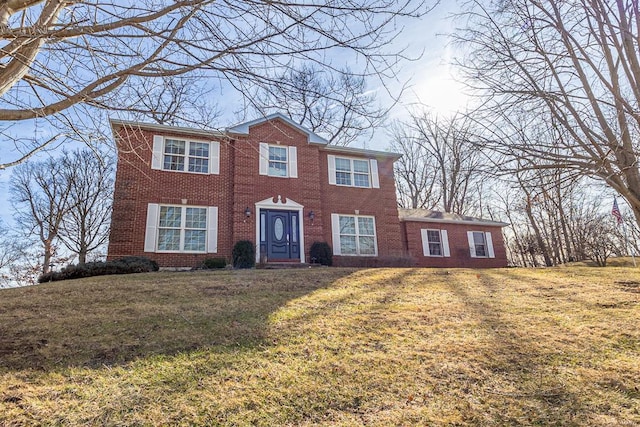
174,155
182,155
199,157
350,172
186,155
278,160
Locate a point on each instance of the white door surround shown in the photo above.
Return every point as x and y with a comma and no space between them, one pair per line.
278,204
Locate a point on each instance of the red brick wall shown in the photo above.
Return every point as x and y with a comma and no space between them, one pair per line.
239,185
137,185
377,202
458,245
251,187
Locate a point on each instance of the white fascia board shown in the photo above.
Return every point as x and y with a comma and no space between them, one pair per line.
454,221
243,128
360,152
165,128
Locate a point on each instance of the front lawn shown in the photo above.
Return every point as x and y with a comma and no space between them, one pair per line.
325,346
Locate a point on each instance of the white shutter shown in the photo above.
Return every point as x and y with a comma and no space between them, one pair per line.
152,228
472,245
293,162
375,181
335,233
264,158
445,243
156,155
375,236
490,252
214,157
425,242
331,160
212,229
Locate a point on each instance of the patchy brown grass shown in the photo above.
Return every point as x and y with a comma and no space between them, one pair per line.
325,347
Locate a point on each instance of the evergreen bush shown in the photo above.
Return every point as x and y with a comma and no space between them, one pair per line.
321,253
244,254
126,265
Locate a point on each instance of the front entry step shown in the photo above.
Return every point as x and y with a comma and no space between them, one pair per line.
285,265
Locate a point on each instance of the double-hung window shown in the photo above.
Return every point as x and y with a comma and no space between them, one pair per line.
186,156
181,228
278,160
435,243
172,154
198,157
351,172
480,244
354,235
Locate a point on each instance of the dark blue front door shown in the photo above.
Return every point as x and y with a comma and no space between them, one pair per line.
282,235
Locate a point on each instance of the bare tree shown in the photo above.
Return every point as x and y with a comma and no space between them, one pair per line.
573,65
59,55
172,100
41,196
451,154
415,172
334,103
11,249
85,224
452,144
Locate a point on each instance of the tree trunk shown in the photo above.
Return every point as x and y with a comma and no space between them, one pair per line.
48,255
539,239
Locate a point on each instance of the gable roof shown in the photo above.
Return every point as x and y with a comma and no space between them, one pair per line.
243,128
426,215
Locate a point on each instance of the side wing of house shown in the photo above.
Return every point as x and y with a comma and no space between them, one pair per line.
453,241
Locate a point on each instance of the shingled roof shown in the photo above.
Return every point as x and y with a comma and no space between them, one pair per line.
426,215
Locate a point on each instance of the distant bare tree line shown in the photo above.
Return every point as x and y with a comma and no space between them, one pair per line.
62,205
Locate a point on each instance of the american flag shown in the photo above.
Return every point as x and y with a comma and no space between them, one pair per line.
615,211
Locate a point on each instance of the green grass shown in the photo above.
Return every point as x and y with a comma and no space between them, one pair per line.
325,346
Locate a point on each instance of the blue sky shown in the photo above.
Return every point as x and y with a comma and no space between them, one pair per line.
432,82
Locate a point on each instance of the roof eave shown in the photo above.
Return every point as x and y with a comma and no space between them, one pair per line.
454,221
361,151
243,128
164,128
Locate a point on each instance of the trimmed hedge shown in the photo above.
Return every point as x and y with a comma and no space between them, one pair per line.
321,253
126,265
244,254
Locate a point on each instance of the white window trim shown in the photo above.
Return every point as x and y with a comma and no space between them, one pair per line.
157,159
292,160
444,242
374,181
153,227
488,241
335,232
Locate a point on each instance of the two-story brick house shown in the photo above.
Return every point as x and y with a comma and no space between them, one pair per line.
183,195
